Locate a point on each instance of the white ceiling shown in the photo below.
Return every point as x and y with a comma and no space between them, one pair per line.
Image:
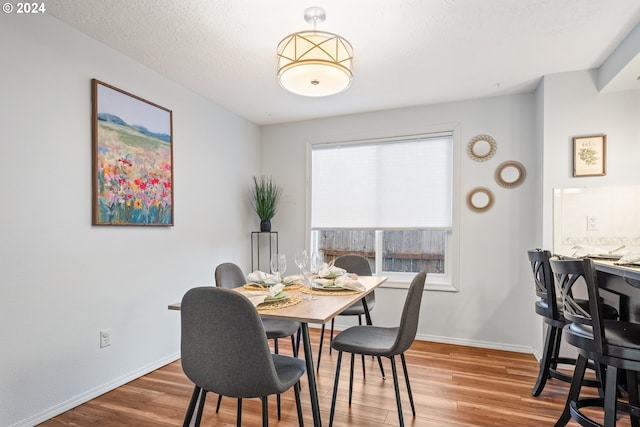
406,52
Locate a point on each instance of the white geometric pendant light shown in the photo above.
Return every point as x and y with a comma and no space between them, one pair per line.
314,63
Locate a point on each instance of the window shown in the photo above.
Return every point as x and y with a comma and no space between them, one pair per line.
390,200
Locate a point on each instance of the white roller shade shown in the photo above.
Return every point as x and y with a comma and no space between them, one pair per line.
382,185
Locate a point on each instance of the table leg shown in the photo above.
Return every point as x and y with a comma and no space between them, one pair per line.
367,315
311,376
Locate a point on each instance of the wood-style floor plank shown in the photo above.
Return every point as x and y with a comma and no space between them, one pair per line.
453,386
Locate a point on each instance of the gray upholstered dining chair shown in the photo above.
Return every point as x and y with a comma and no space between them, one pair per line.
217,326
229,275
359,265
383,341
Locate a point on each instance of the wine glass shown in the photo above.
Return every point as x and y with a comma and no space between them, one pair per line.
301,260
278,265
316,261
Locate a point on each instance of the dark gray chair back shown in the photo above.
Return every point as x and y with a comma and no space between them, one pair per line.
359,265
224,346
588,320
410,315
544,285
228,275
354,264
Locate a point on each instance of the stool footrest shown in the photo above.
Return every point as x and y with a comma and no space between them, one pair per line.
598,402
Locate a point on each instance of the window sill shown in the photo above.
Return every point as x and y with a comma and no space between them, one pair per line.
398,284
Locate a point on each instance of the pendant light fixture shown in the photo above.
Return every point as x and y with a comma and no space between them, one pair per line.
314,63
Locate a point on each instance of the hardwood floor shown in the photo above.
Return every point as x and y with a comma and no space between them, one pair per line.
453,386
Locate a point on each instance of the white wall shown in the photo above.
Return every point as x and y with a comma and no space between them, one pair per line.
573,107
62,280
496,292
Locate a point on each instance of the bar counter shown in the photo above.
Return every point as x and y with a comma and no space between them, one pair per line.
624,282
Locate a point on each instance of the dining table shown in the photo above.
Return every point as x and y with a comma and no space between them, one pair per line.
316,306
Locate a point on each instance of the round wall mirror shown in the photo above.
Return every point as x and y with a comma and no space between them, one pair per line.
480,199
481,148
510,174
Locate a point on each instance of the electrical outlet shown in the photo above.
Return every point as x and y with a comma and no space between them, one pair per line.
592,223
105,338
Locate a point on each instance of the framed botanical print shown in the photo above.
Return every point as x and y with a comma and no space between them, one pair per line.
590,155
132,159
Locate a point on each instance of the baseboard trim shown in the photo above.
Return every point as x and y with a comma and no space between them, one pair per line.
475,343
465,342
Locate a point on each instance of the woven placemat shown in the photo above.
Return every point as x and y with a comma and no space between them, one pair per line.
273,305
257,287
306,290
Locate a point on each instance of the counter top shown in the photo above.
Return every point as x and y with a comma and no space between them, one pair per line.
626,272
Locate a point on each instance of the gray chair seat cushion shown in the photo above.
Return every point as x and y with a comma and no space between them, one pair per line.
356,309
368,340
277,328
622,338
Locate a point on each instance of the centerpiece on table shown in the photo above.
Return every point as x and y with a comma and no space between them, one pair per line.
265,195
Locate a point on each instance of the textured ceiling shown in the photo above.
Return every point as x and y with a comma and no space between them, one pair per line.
406,52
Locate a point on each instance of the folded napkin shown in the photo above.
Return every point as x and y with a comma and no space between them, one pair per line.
330,270
324,282
583,251
630,258
289,280
347,282
258,297
262,277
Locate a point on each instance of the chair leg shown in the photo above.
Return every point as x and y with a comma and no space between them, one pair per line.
610,396
364,373
384,377
275,349
192,406
320,347
574,390
219,402
335,390
406,379
632,390
265,411
351,378
296,389
546,361
203,396
278,405
394,371
239,413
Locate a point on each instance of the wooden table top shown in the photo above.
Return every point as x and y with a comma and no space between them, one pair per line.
322,308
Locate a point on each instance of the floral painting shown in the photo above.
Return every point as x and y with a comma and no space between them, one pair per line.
132,159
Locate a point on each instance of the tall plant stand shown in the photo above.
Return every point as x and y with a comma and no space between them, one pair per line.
265,243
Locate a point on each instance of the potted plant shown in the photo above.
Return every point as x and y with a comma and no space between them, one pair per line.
265,195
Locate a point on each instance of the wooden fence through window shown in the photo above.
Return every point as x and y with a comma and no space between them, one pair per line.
408,251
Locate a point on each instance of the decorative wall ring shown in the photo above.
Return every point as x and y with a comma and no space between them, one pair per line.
510,174
481,148
480,199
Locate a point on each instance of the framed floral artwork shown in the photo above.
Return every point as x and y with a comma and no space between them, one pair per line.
132,159
589,155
